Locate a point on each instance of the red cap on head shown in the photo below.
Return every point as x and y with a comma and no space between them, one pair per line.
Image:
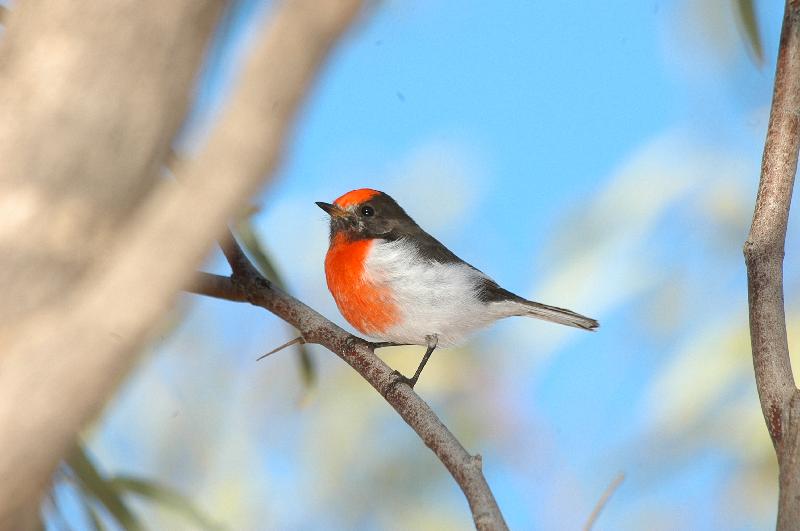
356,197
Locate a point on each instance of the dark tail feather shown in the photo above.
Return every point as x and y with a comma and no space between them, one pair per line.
513,304
558,315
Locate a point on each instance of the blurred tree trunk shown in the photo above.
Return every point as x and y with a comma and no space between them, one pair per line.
93,243
91,95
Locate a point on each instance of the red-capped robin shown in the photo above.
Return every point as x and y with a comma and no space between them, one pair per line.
395,282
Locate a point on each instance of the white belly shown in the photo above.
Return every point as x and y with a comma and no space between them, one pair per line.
432,298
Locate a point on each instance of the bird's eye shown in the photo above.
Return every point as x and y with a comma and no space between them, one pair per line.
367,211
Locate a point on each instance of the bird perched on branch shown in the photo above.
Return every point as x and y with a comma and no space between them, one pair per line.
395,282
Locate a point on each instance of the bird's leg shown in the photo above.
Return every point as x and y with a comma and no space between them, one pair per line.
432,340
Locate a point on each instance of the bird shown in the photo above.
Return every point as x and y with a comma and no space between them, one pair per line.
396,283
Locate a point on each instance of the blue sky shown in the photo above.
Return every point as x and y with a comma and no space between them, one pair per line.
523,134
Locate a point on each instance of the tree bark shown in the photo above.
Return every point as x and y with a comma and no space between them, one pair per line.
764,252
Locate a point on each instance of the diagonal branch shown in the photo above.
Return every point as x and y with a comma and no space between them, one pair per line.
466,469
601,503
764,251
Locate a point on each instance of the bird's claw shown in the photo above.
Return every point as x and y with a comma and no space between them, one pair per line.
398,378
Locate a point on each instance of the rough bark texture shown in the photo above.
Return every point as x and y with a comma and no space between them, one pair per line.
94,245
764,251
247,284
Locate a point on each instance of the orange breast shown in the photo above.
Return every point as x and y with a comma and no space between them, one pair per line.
367,306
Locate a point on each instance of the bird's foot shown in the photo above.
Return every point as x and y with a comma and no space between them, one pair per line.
398,378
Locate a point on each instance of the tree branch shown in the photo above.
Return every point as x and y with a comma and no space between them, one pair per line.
466,469
601,503
764,251
216,286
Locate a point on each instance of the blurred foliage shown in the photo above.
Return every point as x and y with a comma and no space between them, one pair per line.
163,495
94,491
92,485
745,9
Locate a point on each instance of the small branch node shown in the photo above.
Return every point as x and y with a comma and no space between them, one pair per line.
397,378
351,343
477,461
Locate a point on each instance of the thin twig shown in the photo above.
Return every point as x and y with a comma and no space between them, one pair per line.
601,503
288,344
764,251
466,469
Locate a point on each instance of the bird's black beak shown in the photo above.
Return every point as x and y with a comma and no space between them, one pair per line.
332,210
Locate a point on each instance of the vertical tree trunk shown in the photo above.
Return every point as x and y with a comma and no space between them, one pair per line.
764,251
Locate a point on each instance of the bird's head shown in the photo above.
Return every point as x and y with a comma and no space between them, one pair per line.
366,214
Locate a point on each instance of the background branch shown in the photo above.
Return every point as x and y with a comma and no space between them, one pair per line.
601,503
75,308
764,251
217,286
466,469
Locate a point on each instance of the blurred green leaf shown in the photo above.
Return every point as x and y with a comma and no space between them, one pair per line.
94,484
247,237
166,496
252,244
87,504
745,9
56,516
94,518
